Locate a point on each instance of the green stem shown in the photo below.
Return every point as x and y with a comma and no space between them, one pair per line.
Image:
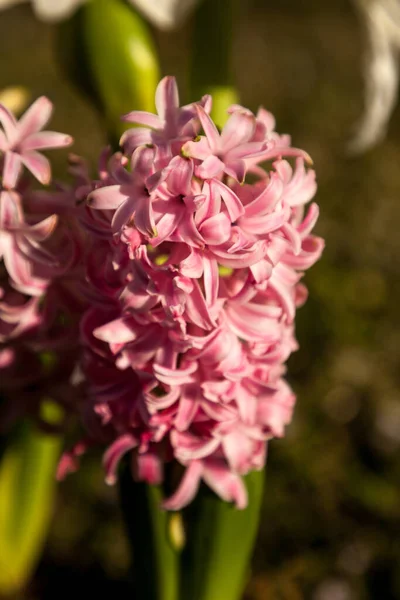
151,534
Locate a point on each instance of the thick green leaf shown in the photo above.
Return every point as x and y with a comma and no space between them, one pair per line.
121,58
27,486
216,559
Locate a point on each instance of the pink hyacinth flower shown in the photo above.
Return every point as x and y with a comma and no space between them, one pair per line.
21,141
192,275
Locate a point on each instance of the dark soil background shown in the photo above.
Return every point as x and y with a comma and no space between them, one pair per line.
331,517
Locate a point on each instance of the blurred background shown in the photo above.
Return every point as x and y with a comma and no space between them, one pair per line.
331,516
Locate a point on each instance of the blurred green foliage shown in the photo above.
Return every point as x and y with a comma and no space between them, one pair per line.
331,515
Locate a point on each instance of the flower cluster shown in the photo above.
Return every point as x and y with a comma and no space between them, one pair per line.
182,264
37,254
195,273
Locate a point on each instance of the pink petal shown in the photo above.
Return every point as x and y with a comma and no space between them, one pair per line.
106,198
167,98
240,260
143,162
143,118
19,268
250,323
123,215
189,233
149,468
233,205
285,296
266,118
218,412
114,454
7,357
119,331
192,265
144,217
180,177
308,223
209,129
227,485
192,447
10,210
137,136
247,403
236,169
210,167
263,224
198,148
211,280
11,169
196,309
34,252
174,376
9,124
187,488
311,250
44,140
238,449
38,165
261,271
293,236
247,151
168,224
187,408
216,230
35,118
42,230
279,151
238,130
3,142
268,198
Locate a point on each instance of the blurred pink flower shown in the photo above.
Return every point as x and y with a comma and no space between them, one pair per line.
21,140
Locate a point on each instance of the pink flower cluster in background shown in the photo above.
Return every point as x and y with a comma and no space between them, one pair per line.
35,268
181,264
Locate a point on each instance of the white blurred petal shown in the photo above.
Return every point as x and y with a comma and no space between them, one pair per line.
381,71
165,14
55,10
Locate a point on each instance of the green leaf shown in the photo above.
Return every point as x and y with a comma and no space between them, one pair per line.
121,59
27,486
156,538
216,559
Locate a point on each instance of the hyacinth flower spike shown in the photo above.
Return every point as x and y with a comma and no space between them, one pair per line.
194,355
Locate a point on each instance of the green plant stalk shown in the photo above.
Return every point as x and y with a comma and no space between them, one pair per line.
211,69
121,59
27,488
215,561
155,547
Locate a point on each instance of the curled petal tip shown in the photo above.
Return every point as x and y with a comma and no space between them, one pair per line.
308,159
110,480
